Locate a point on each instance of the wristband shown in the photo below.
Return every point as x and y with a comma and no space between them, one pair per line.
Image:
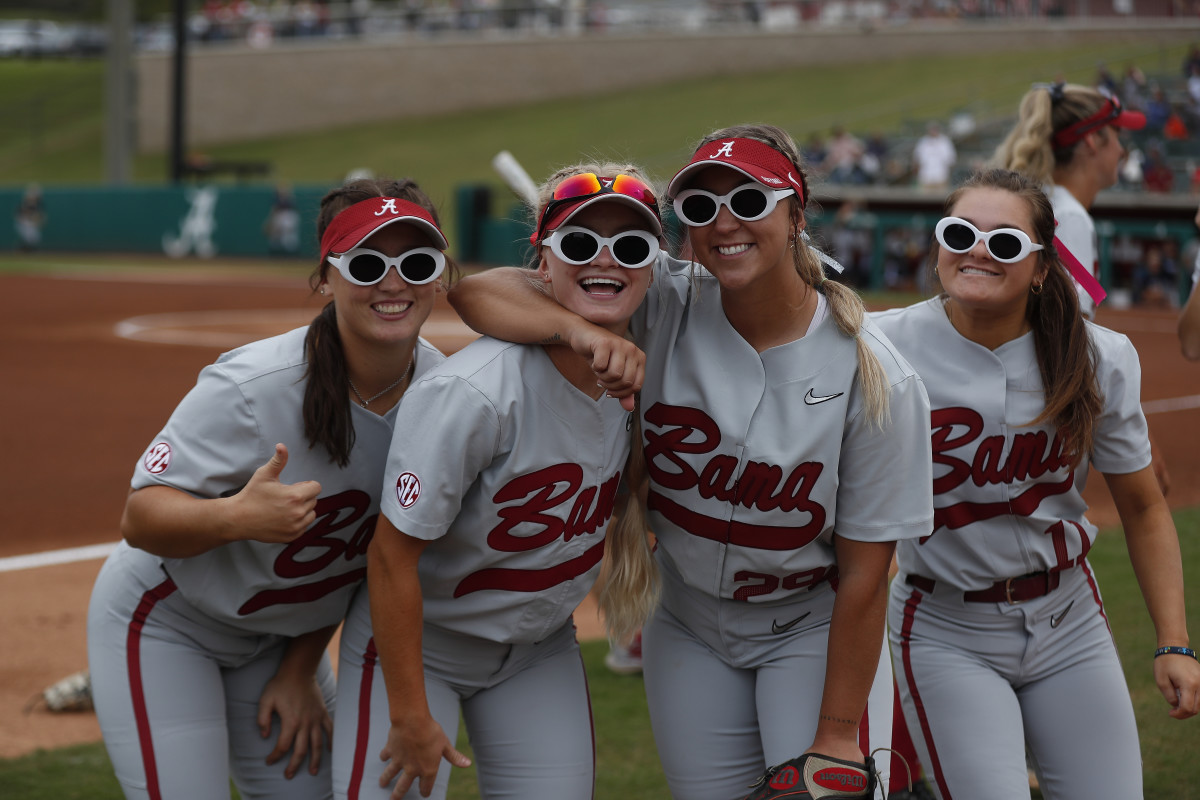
1174,650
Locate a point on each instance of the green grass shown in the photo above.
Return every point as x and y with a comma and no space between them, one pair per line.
56,123
627,763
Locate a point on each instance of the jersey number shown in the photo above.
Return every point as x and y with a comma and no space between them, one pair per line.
761,583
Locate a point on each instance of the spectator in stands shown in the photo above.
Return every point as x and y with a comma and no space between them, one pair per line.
1156,173
1191,60
1154,280
934,156
1106,84
814,154
1175,128
1157,110
1193,89
1134,89
843,154
1189,320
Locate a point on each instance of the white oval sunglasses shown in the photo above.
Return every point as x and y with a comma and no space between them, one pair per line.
1006,245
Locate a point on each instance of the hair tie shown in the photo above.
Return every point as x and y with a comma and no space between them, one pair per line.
1056,90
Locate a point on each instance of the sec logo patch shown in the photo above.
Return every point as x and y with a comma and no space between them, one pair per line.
408,489
158,458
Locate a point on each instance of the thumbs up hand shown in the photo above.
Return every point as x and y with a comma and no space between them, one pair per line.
268,510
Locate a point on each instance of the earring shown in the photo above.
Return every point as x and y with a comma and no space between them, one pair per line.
935,271
1036,288
322,291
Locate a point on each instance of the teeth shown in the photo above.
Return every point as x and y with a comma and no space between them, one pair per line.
974,271
733,249
603,281
391,308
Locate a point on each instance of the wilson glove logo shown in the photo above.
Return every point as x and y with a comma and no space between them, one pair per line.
840,778
786,778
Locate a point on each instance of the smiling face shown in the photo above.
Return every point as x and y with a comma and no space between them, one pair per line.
737,252
974,280
391,311
601,291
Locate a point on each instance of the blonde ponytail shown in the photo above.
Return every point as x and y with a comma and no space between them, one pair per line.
632,583
1029,147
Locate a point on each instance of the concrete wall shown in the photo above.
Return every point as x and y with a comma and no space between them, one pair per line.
245,93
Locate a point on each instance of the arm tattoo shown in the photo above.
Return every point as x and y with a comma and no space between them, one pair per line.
839,719
552,339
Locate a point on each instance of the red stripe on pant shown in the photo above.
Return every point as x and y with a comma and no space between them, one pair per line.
910,611
370,657
133,662
905,764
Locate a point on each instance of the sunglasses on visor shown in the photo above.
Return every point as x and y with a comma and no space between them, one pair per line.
1006,245
587,184
366,267
750,202
576,245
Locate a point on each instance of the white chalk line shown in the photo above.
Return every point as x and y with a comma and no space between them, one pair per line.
50,558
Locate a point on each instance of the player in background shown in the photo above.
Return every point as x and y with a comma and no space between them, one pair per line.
1067,137
500,483
782,438
247,525
997,627
1189,318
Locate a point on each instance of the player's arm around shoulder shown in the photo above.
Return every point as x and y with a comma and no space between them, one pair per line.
512,304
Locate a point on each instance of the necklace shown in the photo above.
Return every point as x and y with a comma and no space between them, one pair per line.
376,396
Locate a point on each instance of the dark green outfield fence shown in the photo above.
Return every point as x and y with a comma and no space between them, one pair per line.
204,220
192,220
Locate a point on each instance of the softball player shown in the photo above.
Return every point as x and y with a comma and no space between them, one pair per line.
1189,318
500,483
779,429
1066,138
247,526
996,623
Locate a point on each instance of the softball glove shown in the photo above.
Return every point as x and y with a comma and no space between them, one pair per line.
813,776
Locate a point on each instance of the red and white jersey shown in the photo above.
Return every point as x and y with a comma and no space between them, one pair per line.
225,429
756,460
511,473
1005,501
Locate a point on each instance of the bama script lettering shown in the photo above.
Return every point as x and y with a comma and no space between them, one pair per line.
535,503
676,436
320,547
1032,455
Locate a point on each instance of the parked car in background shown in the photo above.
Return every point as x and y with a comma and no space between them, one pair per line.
33,38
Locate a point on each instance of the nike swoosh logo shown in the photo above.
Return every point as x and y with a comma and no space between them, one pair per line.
787,626
1056,619
812,399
